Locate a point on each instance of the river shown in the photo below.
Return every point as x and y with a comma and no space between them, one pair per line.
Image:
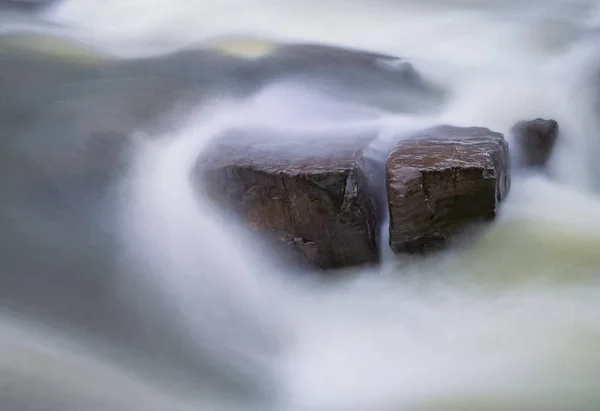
122,289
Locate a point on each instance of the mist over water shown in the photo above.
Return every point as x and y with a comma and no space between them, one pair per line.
165,303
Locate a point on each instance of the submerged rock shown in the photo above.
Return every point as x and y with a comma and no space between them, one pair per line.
318,196
355,76
535,140
34,61
440,181
373,79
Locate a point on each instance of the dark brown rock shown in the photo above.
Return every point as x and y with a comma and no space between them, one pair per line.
534,141
319,196
440,181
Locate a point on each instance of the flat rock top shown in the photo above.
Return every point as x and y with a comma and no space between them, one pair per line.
446,146
287,150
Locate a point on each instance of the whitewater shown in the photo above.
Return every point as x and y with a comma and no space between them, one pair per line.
197,314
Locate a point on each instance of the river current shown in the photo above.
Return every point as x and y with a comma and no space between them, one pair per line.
122,289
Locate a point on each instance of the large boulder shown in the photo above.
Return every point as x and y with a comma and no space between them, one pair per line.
442,180
534,141
317,196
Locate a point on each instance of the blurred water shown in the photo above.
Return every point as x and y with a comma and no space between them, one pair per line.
125,291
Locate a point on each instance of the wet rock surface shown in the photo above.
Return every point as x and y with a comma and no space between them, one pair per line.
440,181
535,141
320,197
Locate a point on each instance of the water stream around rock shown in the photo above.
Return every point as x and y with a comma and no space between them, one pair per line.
121,288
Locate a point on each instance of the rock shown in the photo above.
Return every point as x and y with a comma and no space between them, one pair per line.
535,141
318,196
377,80
44,66
350,75
440,181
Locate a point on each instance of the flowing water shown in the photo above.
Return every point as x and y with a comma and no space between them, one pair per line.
122,289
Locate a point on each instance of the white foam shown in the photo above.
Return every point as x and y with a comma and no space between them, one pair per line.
511,323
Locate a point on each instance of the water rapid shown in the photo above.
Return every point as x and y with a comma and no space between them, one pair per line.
128,290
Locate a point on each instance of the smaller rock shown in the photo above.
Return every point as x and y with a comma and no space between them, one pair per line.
442,180
535,141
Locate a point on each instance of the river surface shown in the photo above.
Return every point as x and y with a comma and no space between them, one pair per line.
122,289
